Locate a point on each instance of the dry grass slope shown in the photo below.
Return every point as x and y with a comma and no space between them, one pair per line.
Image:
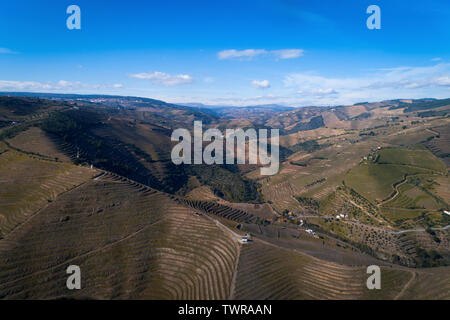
29,183
35,141
268,272
129,241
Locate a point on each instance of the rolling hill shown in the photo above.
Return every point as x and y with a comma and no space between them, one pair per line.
88,181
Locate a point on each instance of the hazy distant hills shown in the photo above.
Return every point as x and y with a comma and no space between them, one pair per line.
262,106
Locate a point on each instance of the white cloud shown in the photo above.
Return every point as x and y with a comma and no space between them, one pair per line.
264,84
288,53
313,89
436,59
24,85
164,78
306,89
411,82
322,92
249,54
61,85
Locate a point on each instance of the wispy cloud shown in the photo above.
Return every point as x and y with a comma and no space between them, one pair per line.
249,54
7,51
313,88
288,53
61,85
382,84
319,92
264,84
165,79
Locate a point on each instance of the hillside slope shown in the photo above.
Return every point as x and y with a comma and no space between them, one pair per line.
133,242
129,241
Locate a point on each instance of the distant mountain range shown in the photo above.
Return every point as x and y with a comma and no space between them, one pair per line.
261,106
99,98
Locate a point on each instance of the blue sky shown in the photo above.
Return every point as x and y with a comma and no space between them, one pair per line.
229,52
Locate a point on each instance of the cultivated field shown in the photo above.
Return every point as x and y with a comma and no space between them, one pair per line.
35,141
125,247
29,183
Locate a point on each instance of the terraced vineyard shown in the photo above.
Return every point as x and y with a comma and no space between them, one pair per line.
443,187
414,158
202,193
268,272
29,183
376,182
126,248
429,284
220,210
318,179
400,180
34,141
440,145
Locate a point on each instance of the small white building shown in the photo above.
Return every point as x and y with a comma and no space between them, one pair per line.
245,238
